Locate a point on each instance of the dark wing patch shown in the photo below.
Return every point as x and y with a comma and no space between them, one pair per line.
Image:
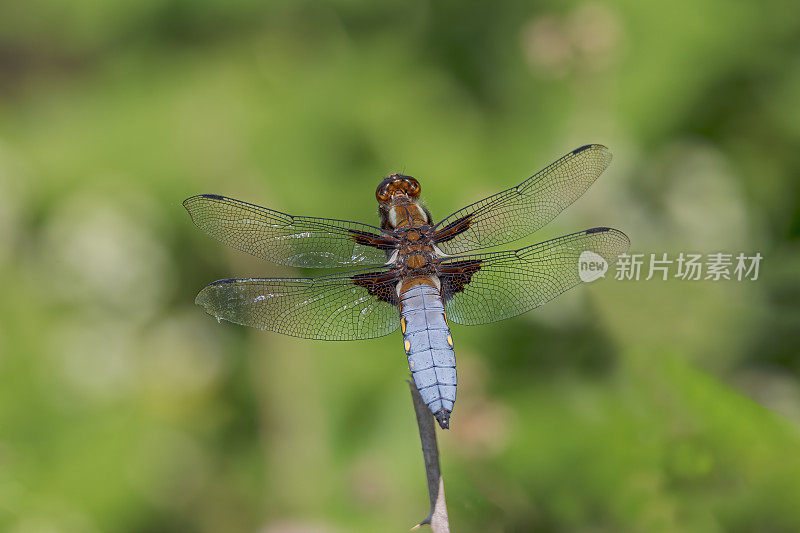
333,307
285,239
381,285
455,275
505,284
521,210
366,238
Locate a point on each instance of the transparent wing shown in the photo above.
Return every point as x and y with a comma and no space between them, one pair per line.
352,305
516,212
285,239
483,288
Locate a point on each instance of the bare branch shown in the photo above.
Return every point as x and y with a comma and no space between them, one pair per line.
437,518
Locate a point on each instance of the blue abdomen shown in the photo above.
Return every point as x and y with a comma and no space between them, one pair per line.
429,346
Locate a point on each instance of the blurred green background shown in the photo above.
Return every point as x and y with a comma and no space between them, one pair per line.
620,406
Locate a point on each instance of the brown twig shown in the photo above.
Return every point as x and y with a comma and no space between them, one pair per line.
437,518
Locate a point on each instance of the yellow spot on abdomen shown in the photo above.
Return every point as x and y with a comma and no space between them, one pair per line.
403,324
450,340
407,345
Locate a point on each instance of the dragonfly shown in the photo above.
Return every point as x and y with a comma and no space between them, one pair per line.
410,272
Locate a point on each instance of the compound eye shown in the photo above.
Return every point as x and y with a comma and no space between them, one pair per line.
382,193
412,186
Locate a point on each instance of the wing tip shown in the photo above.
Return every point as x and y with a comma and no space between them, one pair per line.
605,229
624,240
599,148
596,146
582,148
599,229
223,281
192,199
202,298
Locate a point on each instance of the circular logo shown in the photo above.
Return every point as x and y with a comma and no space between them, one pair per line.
591,266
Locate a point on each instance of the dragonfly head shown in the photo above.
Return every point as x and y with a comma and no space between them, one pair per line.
395,184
